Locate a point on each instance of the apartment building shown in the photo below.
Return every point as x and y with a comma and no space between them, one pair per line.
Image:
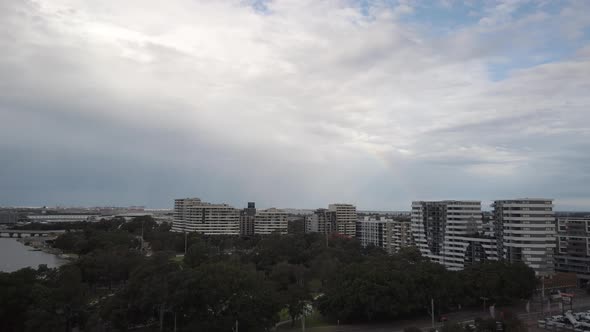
8,217
194,215
372,231
386,233
296,225
321,221
247,217
451,233
573,246
346,218
399,235
271,221
477,248
525,230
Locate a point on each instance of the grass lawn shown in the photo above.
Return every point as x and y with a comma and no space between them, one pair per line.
313,320
178,259
284,315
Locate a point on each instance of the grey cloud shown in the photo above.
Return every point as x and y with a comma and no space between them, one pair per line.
299,106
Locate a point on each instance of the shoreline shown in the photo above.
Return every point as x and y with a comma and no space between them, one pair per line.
39,244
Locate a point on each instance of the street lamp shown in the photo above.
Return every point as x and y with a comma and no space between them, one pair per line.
484,302
432,311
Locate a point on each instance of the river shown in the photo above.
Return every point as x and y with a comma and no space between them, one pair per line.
15,255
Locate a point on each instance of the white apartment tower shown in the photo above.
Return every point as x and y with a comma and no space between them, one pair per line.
371,231
446,232
271,221
346,218
389,234
194,215
573,246
526,233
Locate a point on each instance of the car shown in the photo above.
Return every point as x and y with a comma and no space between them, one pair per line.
443,318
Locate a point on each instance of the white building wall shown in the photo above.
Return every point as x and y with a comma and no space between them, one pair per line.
271,221
573,246
528,232
193,215
439,229
346,218
372,232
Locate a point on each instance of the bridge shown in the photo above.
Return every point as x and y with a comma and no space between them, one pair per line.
30,233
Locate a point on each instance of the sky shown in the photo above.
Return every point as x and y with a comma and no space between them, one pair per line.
294,103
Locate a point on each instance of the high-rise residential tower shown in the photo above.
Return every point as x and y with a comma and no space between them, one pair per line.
346,218
525,229
573,246
450,233
247,217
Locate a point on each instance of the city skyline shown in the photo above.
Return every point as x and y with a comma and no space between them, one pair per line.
294,103
486,205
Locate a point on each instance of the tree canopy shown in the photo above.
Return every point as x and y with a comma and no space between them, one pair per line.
115,284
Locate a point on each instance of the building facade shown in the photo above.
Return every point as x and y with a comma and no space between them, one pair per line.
372,231
477,248
296,225
247,217
573,246
399,235
271,221
346,218
194,215
450,232
321,221
57,218
386,233
8,217
525,231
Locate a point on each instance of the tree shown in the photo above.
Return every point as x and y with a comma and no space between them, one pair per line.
146,297
291,287
378,288
66,241
501,282
60,301
15,298
108,267
213,296
135,226
197,253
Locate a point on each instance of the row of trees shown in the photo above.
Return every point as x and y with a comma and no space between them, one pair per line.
387,287
113,285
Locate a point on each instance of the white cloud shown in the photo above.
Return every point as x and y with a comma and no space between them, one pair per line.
314,91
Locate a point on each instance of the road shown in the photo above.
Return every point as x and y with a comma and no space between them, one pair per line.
424,323
581,302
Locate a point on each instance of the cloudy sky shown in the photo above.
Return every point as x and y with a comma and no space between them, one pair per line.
294,103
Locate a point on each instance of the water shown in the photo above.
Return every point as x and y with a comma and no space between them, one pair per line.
15,255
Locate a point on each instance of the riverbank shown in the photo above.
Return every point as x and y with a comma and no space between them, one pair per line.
15,255
40,244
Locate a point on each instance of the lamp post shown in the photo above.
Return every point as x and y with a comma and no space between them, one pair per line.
185,242
484,302
432,311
